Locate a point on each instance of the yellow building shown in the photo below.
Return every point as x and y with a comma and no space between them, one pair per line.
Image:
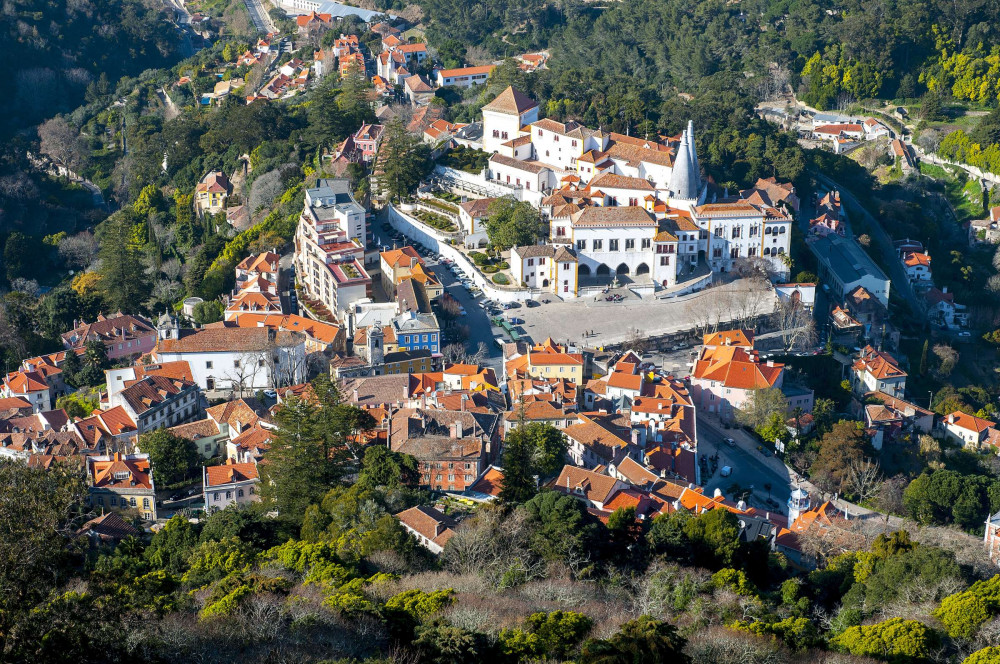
546,360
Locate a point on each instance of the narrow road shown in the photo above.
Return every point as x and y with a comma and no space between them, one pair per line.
883,242
258,14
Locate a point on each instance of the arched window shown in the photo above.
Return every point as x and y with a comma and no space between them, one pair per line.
239,493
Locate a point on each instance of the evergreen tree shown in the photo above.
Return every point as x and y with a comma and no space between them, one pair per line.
124,283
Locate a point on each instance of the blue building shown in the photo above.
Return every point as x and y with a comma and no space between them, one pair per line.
417,331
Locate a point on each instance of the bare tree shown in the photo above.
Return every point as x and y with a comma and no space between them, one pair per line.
79,251
635,341
947,359
458,353
796,325
62,142
865,477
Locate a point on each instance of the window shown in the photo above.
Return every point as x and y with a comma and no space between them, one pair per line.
573,143
114,501
664,260
541,261
646,243
236,364
560,231
581,245
496,133
539,132
734,252
229,495
531,261
753,231
633,202
717,252
613,245
208,364
565,266
239,493
781,231
718,231
630,244
598,245
503,135
145,503
131,502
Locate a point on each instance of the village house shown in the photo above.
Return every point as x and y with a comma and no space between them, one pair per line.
155,402
463,77
123,335
844,265
122,482
230,484
224,424
877,371
211,193
545,360
970,431
235,359
431,527
472,216
546,267
452,448
991,538
593,489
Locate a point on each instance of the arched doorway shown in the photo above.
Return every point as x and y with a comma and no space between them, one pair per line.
545,283
603,270
642,269
584,271
622,269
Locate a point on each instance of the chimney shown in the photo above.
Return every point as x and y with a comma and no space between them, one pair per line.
770,363
944,289
717,493
742,506
355,395
951,419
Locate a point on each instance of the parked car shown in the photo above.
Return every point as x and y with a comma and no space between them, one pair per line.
514,320
270,394
532,303
726,471
729,441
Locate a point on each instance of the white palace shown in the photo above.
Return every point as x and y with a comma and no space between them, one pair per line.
631,206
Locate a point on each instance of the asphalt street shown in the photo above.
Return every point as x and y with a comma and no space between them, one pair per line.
480,328
750,468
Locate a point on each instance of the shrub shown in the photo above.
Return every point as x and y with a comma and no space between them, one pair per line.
479,258
500,278
503,265
893,639
490,269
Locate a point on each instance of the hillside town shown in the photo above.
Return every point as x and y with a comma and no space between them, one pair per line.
359,334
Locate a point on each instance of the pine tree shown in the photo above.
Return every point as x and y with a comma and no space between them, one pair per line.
124,282
923,358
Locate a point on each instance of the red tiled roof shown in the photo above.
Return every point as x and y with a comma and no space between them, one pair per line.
230,473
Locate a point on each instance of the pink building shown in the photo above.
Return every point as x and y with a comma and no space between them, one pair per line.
123,335
230,484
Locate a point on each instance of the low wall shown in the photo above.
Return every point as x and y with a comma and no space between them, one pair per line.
438,243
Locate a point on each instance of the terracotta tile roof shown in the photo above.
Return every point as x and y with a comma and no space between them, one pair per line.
256,438
205,428
25,382
613,216
635,473
429,522
490,483
613,181
264,262
467,71
121,471
535,411
227,340
625,381
318,330
402,256
511,102
599,433
110,526
735,368
729,338
230,473
520,164
595,487
179,370
899,404
148,392
239,413
915,258
969,422
879,364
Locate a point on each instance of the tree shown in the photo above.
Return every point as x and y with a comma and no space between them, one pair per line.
404,161
759,408
864,476
39,515
440,643
173,458
384,468
667,535
16,254
947,359
557,527
644,639
923,358
715,536
510,223
171,546
124,283
531,450
62,142
988,655
843,444
559,632
208,312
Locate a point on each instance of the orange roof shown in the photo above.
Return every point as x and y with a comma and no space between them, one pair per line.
736,368
402,256
122,472
625,381
467,71
878,364
325,332
490,483
595,487
24,382
915,258
729,338
230,473
969,422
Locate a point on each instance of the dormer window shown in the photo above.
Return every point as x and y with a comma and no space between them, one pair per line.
124,475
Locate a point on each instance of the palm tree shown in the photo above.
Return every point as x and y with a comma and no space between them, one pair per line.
638,641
